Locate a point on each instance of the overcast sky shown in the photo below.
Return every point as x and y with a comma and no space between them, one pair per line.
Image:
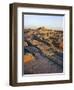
51,21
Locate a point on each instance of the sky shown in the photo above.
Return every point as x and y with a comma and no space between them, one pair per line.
48,21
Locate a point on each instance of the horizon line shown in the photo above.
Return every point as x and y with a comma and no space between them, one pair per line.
52,28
